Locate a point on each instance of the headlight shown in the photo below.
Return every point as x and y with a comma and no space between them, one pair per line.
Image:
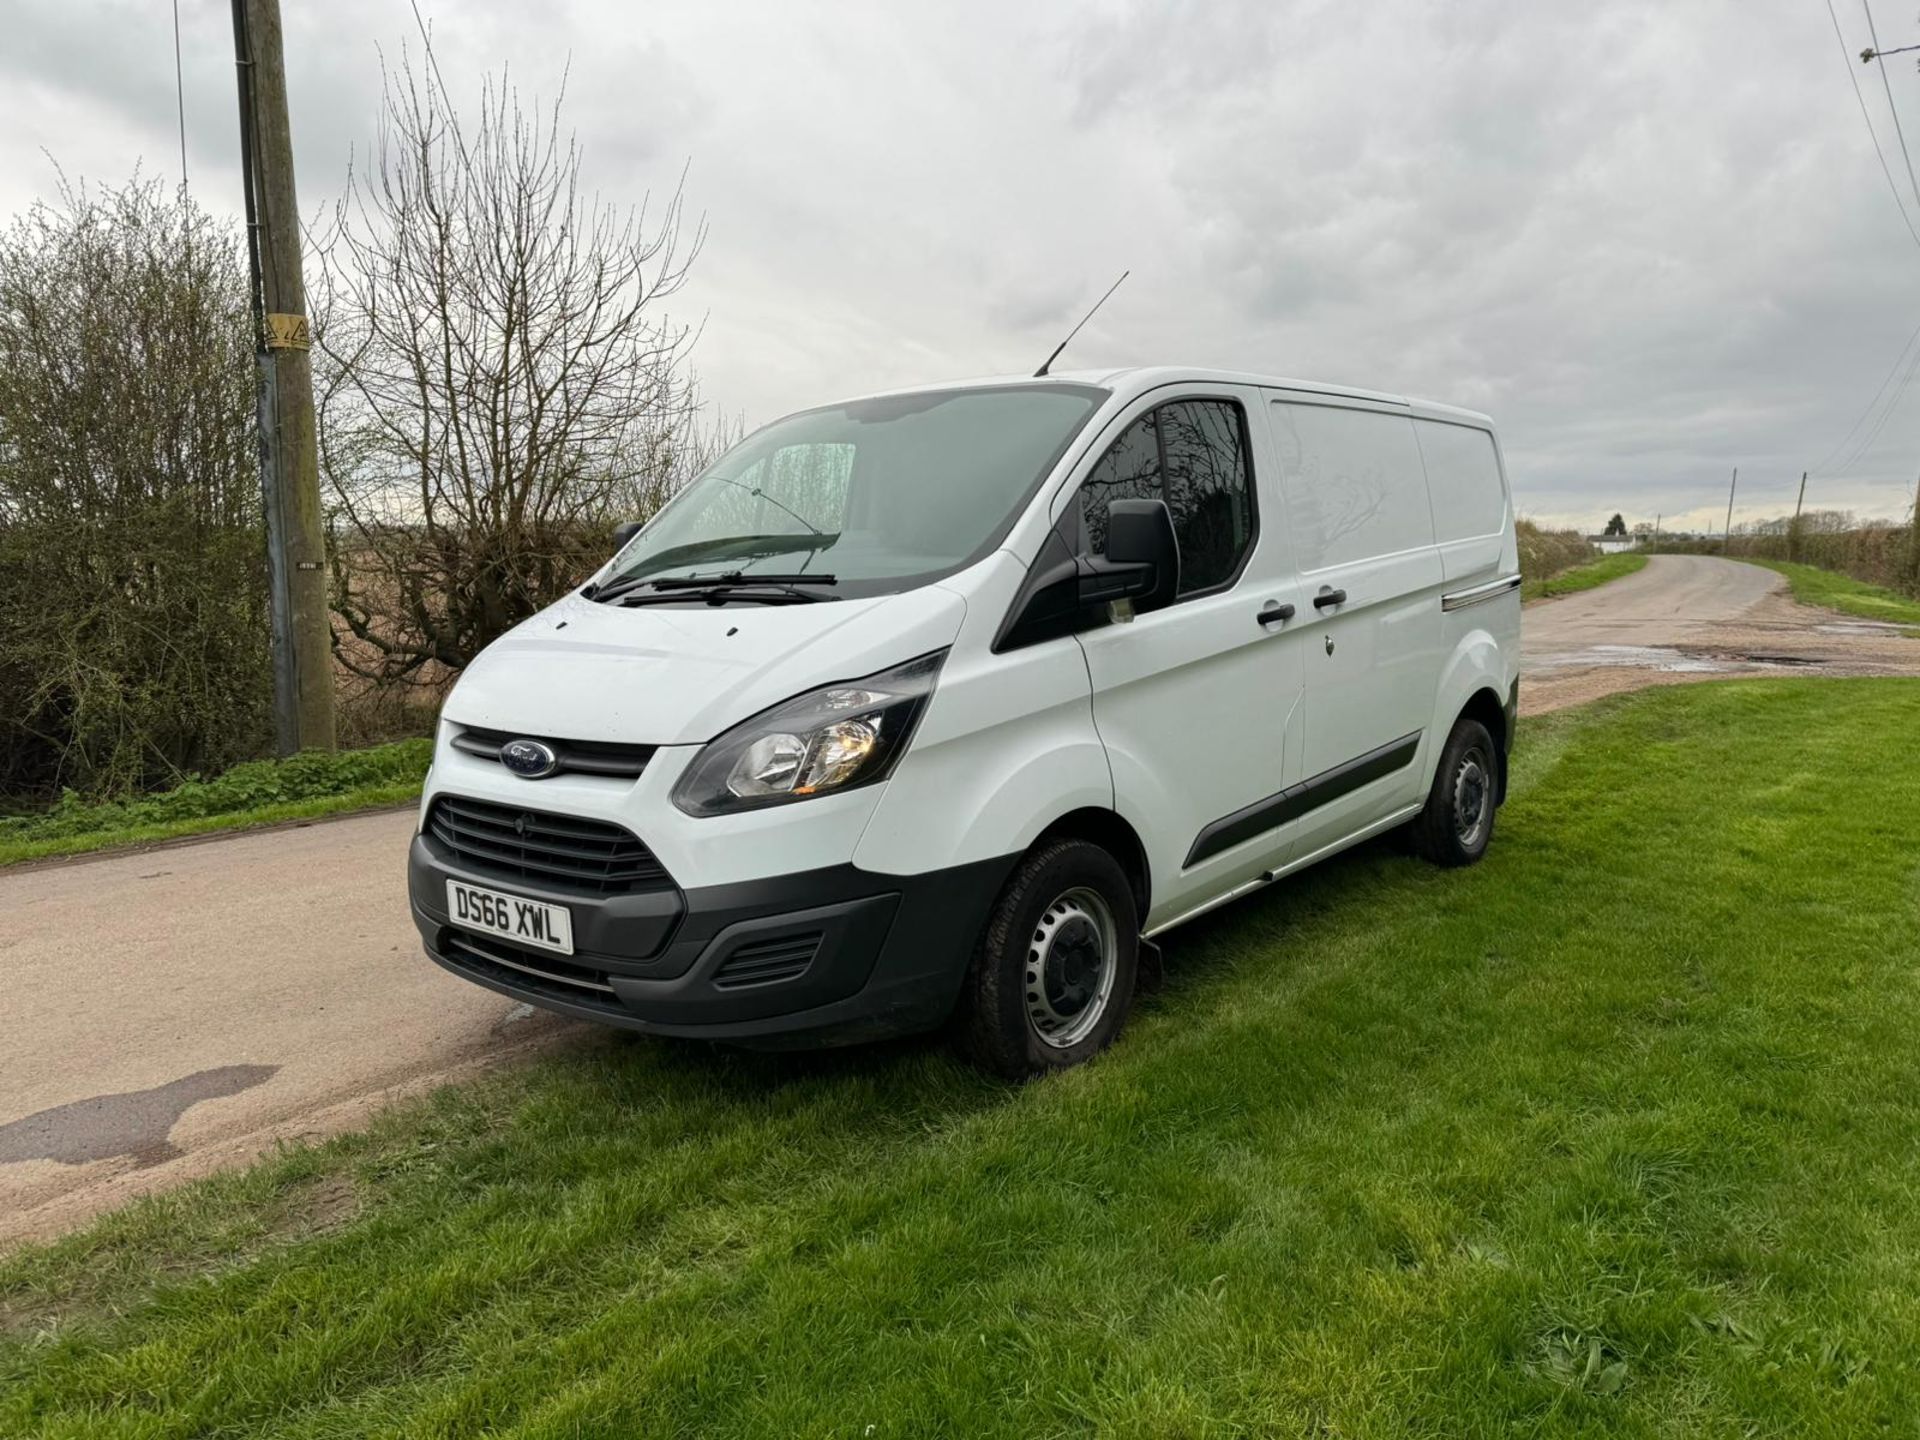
836,738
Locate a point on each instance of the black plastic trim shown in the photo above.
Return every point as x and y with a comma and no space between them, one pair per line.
1296,800
892,952
1513,732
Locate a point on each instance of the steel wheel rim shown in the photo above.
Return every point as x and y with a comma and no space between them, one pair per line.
1072,958
1472,798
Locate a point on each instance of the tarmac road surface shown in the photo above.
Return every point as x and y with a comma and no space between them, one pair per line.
178,1009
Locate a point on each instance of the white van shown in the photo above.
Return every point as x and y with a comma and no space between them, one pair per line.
943,705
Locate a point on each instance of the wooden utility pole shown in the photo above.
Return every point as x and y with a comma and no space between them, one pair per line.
1726,539
1913,543
1793,535
289,465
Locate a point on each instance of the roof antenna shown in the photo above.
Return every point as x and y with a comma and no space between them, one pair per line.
1041,372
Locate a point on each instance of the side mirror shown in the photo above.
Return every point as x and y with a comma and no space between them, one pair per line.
1065,592
624,533
1142,563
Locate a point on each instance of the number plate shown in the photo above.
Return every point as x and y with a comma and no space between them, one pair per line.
525,922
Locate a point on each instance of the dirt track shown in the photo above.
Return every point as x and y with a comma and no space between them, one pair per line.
174,1011
1691,617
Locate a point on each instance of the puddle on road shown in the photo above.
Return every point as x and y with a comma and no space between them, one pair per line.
135,1122
1633,657
1669,659
1872,629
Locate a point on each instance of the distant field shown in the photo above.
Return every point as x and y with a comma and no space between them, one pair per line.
1834,591
1584,577
1612,1135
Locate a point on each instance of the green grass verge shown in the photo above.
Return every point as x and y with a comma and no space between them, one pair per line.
1834,591
262,792
1584,577
1611,1135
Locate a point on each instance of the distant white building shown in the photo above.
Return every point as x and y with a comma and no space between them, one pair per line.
1613,544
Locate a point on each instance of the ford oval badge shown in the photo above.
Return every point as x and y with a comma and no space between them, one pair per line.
529,759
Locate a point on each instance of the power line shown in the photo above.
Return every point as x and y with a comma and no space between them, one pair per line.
180,95
1846,58
1853,455
1873,35
1872,405
1865,447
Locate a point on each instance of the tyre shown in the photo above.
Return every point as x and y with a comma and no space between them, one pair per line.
1457,822
1053,974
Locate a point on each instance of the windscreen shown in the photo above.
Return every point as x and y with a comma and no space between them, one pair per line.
881,494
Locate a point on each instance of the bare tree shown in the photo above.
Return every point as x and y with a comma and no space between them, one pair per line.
497,380
132,556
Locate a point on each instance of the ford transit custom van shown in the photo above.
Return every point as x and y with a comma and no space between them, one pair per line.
942,706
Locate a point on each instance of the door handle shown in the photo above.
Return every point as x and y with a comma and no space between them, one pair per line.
1329,597
1272,614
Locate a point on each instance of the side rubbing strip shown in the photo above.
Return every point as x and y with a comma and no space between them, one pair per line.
1492,590
1296,800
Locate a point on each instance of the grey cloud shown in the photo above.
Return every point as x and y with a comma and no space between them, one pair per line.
1649,256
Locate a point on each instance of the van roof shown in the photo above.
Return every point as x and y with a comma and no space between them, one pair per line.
1132,381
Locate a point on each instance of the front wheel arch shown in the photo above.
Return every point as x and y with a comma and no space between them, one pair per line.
1485,706
1113,834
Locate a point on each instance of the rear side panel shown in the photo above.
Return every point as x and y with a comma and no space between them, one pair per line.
1480,609
1363,537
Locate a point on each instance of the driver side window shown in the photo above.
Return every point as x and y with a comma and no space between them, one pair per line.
1193,455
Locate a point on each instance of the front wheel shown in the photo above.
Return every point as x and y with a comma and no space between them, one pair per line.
1053,975
1457,823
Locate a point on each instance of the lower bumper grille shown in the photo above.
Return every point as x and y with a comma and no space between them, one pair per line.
552,975
767,962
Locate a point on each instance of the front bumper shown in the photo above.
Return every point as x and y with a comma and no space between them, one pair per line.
829,956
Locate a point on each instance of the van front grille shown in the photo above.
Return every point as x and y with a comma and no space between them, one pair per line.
563,852
577,757
766,962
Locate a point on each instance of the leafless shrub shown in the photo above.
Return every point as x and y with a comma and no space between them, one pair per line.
497,383
133,632
1544,553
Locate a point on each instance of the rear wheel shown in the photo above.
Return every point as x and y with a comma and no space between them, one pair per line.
1053,975
1457,823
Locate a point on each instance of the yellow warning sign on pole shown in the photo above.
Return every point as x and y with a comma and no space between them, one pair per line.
288,332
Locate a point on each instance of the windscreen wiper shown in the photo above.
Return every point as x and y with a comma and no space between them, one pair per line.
740,577
627,584
735,585
613,589
753,547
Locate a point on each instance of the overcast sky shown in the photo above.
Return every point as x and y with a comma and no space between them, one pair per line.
1653,240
